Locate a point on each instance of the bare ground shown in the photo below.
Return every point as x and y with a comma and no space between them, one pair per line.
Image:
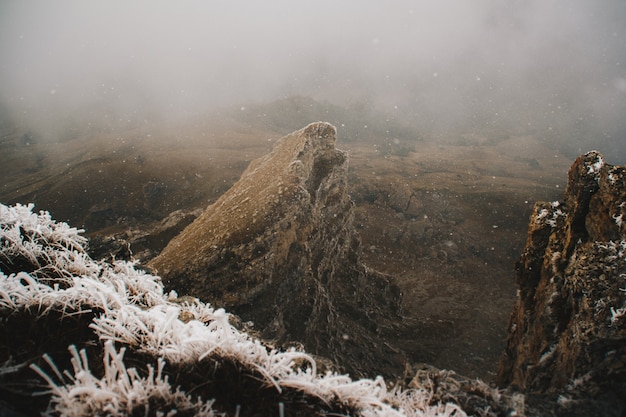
449,221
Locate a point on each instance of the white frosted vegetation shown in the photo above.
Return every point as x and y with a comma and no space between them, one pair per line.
132,311
120,392
49,247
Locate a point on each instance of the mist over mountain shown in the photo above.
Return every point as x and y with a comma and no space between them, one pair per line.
129,118
548,68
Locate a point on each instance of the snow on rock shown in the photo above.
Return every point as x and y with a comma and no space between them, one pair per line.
568,323
279,248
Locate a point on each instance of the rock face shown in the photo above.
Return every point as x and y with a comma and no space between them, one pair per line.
567,333
279,249
141,245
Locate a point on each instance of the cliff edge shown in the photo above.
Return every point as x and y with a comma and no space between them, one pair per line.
279,249
567,332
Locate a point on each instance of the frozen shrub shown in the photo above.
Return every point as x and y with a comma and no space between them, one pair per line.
120,392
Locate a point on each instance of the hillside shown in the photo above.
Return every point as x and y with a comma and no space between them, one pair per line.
446,217
439,220
96,338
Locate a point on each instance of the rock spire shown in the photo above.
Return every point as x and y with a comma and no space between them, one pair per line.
280,249
567,333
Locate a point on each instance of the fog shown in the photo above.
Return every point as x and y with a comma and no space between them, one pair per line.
556,69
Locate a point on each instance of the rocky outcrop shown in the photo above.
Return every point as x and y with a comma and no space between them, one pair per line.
279,249
141,244
567,333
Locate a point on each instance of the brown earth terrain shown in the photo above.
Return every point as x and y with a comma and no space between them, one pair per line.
447,218
449,221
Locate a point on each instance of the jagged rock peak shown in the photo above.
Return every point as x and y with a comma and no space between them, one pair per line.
567,332
280,249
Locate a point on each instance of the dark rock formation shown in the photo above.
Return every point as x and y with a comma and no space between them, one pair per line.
567,333
279,249
141,244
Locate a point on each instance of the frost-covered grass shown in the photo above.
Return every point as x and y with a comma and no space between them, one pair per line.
120,392
37,244
134,314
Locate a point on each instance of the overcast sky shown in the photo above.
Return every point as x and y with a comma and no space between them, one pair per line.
552,64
